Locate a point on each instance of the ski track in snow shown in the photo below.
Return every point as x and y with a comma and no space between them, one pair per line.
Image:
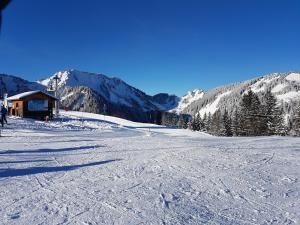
114,175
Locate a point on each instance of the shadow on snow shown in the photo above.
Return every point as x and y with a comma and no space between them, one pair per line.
49,150
24,161
37,170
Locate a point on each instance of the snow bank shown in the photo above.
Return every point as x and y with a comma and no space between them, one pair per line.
110,119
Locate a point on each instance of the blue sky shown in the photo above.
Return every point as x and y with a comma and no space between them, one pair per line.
155,45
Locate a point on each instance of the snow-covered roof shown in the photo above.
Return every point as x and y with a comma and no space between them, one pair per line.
28,93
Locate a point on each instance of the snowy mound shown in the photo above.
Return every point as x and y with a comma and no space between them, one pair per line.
107,119
293,77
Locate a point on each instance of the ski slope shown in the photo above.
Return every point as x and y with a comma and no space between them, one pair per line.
90,169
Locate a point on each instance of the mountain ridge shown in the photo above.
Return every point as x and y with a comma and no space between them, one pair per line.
98,93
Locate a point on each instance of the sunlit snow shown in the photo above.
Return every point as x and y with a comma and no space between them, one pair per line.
93,169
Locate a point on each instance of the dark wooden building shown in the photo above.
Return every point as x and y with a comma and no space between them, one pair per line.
32,104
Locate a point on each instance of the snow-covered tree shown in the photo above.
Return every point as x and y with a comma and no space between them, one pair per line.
251,120
208,123
182,122
216,123
296,123
274,123
235,126
227,124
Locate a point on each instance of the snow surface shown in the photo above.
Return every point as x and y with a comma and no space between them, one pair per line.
25,94
212,107
261,84
279,87
293,77
289,96
188,99
91,169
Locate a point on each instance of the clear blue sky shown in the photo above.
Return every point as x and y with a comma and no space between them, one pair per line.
155,45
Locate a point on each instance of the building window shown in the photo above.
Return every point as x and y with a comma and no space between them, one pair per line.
38,105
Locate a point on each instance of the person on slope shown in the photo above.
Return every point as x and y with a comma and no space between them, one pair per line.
3,115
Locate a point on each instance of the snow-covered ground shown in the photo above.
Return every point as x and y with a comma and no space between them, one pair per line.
102,170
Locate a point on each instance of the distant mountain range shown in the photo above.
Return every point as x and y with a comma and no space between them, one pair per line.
97,93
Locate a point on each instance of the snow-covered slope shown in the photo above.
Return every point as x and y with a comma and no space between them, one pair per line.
82,169
285,86
108,119
15,85
188,99
112,90
98,93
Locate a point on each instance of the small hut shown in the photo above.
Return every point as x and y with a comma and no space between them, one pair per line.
32,104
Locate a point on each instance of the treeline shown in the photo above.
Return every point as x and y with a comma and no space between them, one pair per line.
250,118
174,120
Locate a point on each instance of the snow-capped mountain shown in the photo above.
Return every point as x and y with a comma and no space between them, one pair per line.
112,90
116,92
187,99
285,86
97,93
14,85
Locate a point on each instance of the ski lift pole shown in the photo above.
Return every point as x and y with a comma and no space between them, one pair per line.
55,94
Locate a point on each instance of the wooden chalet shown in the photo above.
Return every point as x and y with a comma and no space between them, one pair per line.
32,104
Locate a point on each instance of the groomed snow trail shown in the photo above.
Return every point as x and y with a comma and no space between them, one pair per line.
94,172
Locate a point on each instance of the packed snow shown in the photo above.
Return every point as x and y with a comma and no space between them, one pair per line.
92,169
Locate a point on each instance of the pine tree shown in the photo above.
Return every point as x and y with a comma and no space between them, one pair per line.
216,123
193,125
274,123
181,122
296,123
235,123
199,123
208,123
281,128
227,124
204,121
269,112
251,119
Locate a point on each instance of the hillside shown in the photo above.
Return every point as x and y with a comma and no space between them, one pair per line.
97,93
14,85
285,86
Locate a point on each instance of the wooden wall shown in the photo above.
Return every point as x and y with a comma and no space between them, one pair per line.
22,108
